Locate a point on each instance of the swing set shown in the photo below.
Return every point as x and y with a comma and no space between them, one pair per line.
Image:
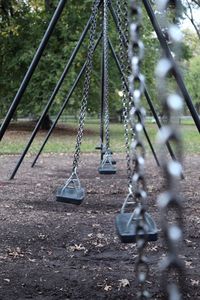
133,224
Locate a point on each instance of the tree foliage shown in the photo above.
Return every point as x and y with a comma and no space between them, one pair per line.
193,80
192,69
22,25
190,7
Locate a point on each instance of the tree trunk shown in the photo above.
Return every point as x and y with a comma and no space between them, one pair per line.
49,6
198,107
46,123
190,15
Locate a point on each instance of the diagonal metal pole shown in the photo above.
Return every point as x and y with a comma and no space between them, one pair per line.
32,67
51,99
177,73
127,87
63,107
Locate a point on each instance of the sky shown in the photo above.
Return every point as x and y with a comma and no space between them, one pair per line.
186,24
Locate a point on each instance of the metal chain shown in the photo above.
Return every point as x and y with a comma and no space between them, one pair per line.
125,95
170,201
106,76
126,24
86,84
137,116
101,118
120,12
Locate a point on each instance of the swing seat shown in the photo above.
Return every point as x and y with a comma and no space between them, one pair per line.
70,195
114,162
98,148
104,152
107,169
127,234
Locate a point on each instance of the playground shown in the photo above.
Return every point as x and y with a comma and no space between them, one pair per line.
104,204
51,250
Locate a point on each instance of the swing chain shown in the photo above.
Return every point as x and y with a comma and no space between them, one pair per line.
137,116
170,201
106,76
122,28
102,106
125,95
87,81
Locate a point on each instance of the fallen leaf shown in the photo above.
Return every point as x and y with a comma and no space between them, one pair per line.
123,283
107,288
194,282
188,263
76,247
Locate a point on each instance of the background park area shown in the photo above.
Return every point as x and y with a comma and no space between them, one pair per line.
56,251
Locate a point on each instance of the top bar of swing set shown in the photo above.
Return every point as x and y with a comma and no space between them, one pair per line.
32,66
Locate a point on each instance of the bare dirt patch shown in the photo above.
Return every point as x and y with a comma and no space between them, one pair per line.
51,250
60,129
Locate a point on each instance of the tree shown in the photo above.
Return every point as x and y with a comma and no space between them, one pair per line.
23,24
192,68
19,39
6,8
193,80
190,7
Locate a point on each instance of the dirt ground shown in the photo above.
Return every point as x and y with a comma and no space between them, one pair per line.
50,250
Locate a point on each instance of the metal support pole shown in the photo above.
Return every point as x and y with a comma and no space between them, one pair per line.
177,73
127,87
63,107
51,99
32,67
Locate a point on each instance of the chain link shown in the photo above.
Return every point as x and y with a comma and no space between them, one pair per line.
170,201
137,116
106,76
101,116
122,17
86,87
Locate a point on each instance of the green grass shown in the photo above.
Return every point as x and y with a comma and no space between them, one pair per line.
14,142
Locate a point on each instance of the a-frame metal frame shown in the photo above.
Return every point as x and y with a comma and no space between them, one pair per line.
56,16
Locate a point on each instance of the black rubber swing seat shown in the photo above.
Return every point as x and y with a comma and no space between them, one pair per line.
98,147
127,233
104,151
107,169
114,162
70,195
